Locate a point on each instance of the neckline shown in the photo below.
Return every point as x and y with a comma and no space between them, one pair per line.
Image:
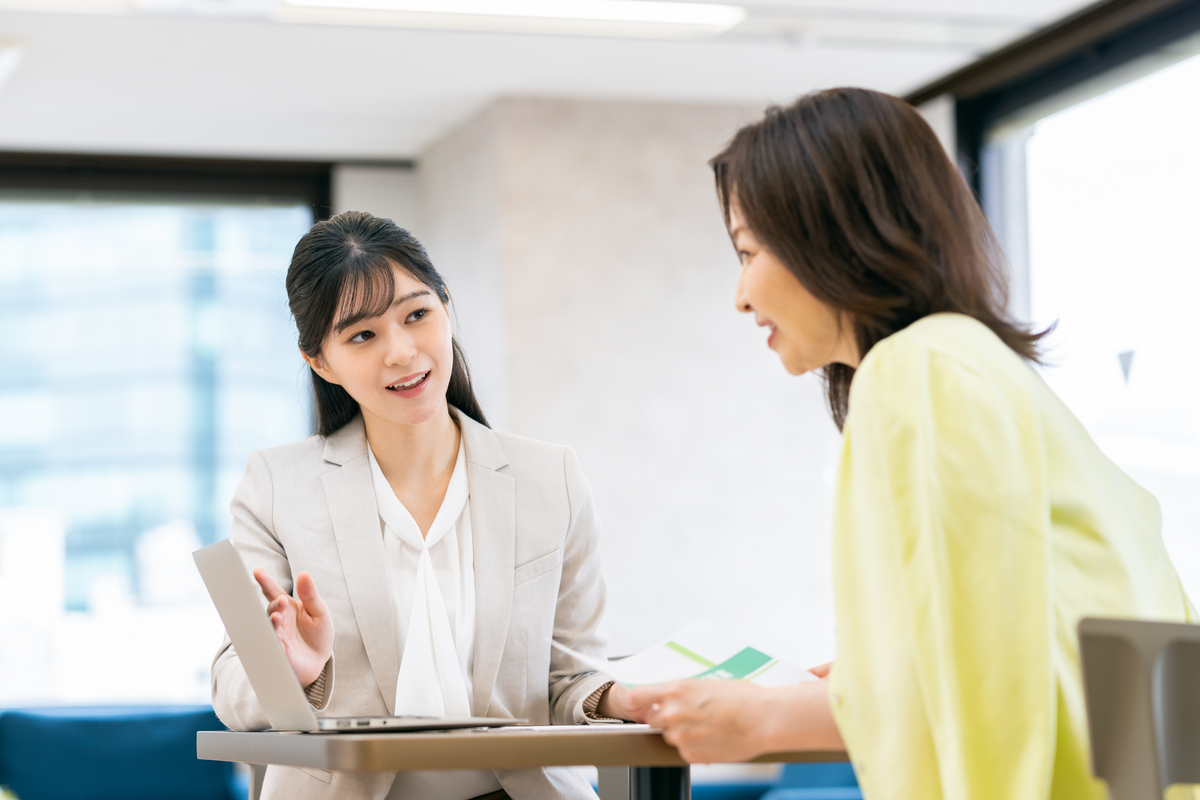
400,522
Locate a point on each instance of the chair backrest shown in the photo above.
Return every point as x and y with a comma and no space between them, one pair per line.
121,753
1142,688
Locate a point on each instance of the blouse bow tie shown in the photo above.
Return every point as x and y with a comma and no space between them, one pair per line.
430,683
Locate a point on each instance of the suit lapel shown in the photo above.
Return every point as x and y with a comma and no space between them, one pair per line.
494,534
355,516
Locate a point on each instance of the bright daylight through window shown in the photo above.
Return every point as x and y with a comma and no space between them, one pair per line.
1095,196
147,350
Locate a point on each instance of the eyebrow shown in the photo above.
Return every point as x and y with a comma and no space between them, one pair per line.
353,319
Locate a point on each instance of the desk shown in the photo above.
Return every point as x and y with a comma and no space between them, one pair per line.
634,764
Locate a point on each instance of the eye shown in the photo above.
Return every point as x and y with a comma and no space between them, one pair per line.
361,336
743,255
417,315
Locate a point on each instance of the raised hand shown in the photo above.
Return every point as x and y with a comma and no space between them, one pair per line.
302,624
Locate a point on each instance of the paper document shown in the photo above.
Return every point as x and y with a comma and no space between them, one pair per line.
701,650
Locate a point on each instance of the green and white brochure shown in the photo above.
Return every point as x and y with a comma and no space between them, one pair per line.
701,651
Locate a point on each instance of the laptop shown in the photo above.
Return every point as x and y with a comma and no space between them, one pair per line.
236,595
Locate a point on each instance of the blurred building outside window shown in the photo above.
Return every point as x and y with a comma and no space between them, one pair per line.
1096,196
148,350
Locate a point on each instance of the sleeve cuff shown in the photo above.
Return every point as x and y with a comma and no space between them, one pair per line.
320,690
592,703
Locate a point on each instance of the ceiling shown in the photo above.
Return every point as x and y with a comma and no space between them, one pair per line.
230,78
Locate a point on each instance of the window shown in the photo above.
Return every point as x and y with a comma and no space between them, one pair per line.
147,349
1094,192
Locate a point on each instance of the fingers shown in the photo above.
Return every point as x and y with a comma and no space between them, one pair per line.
270,588
285,609
617,701
822,670
664,714
287,647
306,591
283,615
644,696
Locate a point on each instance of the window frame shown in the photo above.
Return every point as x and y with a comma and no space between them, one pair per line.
175,179
1082,46
309,181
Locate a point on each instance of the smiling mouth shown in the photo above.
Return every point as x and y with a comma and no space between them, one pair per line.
409,384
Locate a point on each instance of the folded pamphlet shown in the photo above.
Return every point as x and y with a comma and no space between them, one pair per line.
702,651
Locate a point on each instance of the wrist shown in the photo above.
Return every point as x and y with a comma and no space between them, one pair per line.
769,734
608,705
311,675
800,718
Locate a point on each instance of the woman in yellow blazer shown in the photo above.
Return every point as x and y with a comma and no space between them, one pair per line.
975,519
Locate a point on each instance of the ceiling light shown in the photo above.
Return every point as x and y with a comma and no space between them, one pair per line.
701,18
11,54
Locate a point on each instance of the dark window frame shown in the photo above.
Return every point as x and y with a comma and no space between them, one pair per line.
140,178
310,181
1082,46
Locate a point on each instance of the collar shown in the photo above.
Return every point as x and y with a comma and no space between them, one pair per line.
480,442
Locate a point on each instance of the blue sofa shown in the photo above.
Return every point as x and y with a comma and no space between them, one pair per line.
833,781
149,753
121,753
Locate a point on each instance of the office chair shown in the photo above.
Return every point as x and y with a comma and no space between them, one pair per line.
1141,683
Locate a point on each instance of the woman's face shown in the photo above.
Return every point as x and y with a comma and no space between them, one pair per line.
805,332
397,365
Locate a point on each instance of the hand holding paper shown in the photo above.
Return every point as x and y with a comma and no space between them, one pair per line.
702,651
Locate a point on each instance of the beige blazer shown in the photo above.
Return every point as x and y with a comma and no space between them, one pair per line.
311,506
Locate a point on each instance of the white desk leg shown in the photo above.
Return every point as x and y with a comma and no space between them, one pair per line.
257,773
614,783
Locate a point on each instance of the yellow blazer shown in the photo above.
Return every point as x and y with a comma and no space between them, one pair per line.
975,523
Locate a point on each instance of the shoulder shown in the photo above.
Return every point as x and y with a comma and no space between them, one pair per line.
291,462
546,467
940,361
525,453
303,450
317,453
942,342
511,453
956,337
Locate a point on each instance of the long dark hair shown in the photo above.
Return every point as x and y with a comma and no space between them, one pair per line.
347,262
854,193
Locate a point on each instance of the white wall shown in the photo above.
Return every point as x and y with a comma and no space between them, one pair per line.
384,190
461,209
594,283
939,113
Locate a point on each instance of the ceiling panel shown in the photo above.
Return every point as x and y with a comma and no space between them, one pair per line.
182,83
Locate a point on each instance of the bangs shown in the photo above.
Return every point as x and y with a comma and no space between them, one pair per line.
366,289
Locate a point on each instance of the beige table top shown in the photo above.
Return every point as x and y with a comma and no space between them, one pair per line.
500,748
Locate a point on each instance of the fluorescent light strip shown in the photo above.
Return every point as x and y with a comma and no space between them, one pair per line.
11,55
631,11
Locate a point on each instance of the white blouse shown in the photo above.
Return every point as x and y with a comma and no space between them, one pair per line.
432,580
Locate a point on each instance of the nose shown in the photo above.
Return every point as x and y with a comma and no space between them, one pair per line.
739,298
401,347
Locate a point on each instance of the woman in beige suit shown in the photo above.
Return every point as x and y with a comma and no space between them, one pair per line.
415,561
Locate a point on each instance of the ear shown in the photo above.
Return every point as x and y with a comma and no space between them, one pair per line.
317,363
